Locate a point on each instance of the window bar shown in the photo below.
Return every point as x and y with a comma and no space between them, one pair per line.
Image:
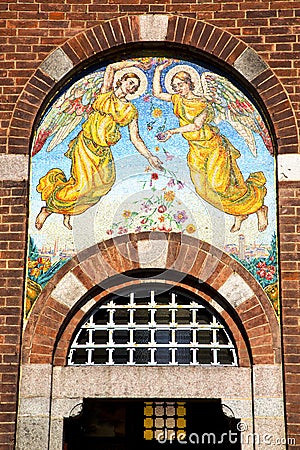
152,348
152,356
194,322
131,354
90,352
173,357
234,357
215,342
152,297
131,309
110,355
173,350
111,314
194,356
70,362
131,348
111,338
173,307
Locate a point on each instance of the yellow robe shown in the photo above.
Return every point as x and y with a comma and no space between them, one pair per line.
212,163
93,169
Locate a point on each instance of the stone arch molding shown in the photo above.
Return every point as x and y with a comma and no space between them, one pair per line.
50,390
67,298
175,30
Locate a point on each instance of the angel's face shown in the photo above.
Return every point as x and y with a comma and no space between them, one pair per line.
180,87
130,85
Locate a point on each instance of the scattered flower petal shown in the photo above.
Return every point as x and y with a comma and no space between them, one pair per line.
190,228
157,112
126,214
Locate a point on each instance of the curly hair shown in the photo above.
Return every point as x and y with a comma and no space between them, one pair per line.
185,77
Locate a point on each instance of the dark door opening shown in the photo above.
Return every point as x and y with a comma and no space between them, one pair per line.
151,424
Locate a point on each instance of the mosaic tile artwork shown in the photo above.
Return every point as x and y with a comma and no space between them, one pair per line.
152,144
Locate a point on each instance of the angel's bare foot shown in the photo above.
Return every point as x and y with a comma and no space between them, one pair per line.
262,216
41,217
67,222
238,222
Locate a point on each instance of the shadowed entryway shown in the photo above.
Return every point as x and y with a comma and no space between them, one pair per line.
151,424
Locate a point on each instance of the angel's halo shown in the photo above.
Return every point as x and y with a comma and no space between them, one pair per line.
140,74
183,68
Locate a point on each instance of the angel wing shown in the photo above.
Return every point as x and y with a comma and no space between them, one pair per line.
232,105
68,111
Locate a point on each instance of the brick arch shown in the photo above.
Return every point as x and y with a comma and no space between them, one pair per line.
174,30
68,296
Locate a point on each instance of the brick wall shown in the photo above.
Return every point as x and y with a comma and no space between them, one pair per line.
29,31
289,222
12,252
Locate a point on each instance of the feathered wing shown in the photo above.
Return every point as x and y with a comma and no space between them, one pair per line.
232,105
67,112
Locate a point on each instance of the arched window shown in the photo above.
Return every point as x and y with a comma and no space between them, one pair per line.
153,326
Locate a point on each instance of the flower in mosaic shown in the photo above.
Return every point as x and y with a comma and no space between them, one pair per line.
180,216
190,228
169,196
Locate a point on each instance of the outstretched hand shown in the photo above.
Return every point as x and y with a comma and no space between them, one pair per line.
155,162
142,65
164,136
164,64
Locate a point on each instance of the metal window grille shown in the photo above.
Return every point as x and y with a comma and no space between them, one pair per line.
165,329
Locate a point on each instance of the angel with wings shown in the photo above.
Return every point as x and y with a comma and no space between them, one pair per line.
92,170
212,159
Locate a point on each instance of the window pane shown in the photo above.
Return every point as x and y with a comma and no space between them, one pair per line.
225,356
100,356
141,316
80,356
183,355
183,336
183,316
204,356
222,338
100,337
141,336
162,356
121,336
121,316
162,336
120,356
162,316
101,317
83,337
204,336
204,317
141,356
